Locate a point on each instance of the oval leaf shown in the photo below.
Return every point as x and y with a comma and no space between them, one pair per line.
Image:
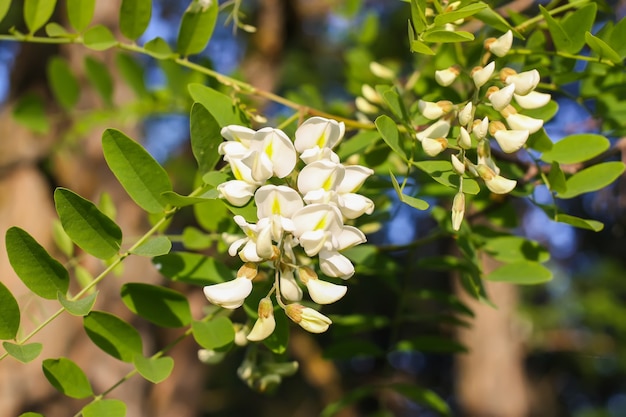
158,48
87,226
154,370
80,13
161,306
23,353
516,248
37,13
4,8
522,272
576,148
105,408
156,246
219,333
63,83
113,335
205,138
192,268
41,273
139,173
9,314
132,72
592,179
218,104
67,377
196,27
99,76
389,131
443,36
135,17
594,225
443,173
80,307
99,38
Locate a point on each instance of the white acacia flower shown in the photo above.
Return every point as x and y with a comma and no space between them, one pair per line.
524,82
466,115
247,246
334,264
434,110
318,132
464,140
500,98
276,204
371,94
317,227
289,288
459,167
321,292
310,320
272,148
496,183
433,147
458,210
230,294
238,134
500,46
445,77
323,174
532,100
480,128
481,75
511,140
265,324
237,192
518,121
438,129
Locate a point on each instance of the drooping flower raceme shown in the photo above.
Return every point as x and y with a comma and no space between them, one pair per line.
301,217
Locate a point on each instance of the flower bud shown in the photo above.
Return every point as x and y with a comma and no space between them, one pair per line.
432,110
241,331
464,140
324,292
365,106
230,294
500,46
459,167
458,210
500,98
265,324
496,183
524,82
309,319
436,130
370,94
210,357
511,140
466,115
446,76
289,288
532,100
523,122
481,75
480,127
382,71
433,147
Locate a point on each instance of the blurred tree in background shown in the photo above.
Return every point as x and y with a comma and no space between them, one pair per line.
494,134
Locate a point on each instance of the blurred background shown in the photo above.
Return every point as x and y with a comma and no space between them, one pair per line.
551,350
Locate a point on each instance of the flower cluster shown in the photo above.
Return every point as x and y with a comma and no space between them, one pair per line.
301,214
508,93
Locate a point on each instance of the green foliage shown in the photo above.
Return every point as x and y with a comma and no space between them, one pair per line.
41,273
23,352
156,246
113,335
196,27
105,408
80,307
192,268
592,179
29,111
135,17
67,377
217,334
205,138
161,306
9,314
99,76
99,38
80,13
522,272
4,8
154,370
37,13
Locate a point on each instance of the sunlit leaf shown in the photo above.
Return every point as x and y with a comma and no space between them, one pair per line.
443,173
197,27
23,353
389,131
577,148
87,226
601,48
113,335
561,39
411,201
521,272
105,408
461,13
594,225
139,173
80,13
158,48
41,273
135,17
160,305
67,377
218,104
64,85
218,333
99,38
154,370
4,8
9,314
556,178
444,36
37,13
515,248
54,30
592,179
205,138
98,75
80,307
155,246
192,268
576,24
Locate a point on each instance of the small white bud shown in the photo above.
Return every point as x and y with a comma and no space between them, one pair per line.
480,128
438,129
496,183
382,71
464,140
365,106
433,147
524,82
432,110
265,324
310,320
532,100
446,76
370,94
458,210
466,115
459,167
511,140
481,75
500,46
522,122
501,98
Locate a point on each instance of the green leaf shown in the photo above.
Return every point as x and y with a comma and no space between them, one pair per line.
279,339
54,30
4,8
31,414
135,17
205,138
192,268
41,273
394,102
87,226
421,48
99,38
423,397
30,112
357,143
80,13
218,333
521,272
37,13
132,72
80,307
67,377
113,335
155,246
515,248
98,75
218,104
576,24
556,178
162,306
105,408
389,131
444,36
618,35
561,39
64,85
196,27
592,179
443,173
495,20
594,225
154,370
9,314
457,14
577,148
158,48
195,239
176,200
540,141
23,353
211,214
411,201
141,176
601,48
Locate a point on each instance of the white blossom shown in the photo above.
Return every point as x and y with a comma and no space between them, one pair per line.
500,46
265,324
524,82
229,294
309,319
481,75
532,100
445,77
